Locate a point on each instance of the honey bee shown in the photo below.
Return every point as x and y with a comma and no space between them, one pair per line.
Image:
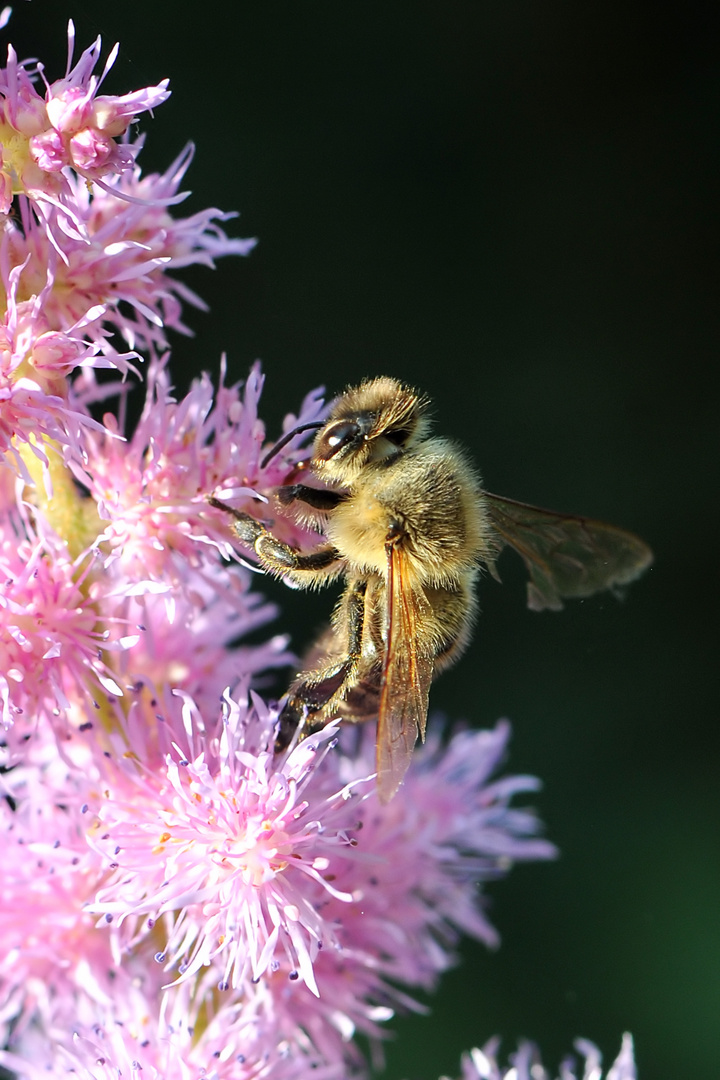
407,526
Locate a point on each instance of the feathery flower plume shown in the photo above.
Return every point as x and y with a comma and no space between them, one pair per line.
177,898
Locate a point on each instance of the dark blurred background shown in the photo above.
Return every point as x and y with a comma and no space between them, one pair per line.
508,205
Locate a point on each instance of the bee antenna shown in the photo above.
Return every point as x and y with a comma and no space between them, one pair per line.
286,439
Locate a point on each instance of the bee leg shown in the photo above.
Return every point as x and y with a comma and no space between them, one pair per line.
289,720
310,700
275,555
318,498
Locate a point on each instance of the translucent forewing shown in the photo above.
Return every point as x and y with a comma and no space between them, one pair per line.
406,675
566,555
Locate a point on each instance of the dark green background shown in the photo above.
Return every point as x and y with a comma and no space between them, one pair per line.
508,204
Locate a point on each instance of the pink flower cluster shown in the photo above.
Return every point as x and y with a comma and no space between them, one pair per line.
176,898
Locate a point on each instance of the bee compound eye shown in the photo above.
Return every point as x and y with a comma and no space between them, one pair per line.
335,437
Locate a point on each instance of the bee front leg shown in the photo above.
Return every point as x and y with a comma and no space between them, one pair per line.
311,698
275,555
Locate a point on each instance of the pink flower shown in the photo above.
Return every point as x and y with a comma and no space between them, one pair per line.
6,190
52,647
289,872
72,126
35,399
122,251
152,490
235,848
186,633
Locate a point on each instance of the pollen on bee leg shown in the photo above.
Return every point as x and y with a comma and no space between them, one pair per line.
269,548
247,528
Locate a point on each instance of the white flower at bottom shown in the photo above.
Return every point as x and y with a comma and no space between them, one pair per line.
525,1063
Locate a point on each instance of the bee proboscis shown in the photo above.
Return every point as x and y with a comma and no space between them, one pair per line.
407,526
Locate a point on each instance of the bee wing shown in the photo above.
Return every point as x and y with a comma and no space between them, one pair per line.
566,555
406,675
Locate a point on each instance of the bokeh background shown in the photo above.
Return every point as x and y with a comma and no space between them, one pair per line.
509,205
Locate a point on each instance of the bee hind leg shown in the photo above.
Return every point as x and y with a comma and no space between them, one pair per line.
314,699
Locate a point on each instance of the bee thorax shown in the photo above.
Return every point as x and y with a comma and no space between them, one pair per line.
424,505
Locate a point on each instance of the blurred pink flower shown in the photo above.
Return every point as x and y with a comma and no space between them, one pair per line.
415,878
52,957
140,1045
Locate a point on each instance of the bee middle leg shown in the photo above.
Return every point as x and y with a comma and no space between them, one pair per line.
312,696
317,498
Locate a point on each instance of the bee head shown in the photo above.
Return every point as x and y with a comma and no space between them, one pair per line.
370,424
